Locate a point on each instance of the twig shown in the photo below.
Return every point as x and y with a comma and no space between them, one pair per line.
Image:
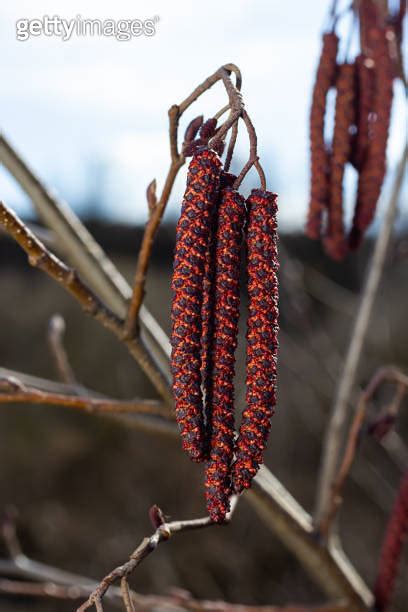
40,257
13,391
253,154
389,374
56,331
341,408
149,544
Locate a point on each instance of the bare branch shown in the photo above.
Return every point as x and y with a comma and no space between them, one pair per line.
149,544
13,391
56,331
327,565
341,408
389,374
41,258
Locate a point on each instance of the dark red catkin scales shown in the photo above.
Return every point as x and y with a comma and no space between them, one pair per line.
226,180
262,337
391,551
192,243
373,171
319,157
334,241
230,224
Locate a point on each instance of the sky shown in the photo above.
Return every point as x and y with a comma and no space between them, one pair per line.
90,113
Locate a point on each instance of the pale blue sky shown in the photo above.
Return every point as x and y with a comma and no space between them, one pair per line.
90,114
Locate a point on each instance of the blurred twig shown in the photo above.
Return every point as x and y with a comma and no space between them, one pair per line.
389,374
55,336
336,428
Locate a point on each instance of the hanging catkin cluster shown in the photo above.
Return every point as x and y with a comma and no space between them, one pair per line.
205,315
364,93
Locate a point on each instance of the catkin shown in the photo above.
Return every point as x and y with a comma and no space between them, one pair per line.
262,337
207,310
192,244
334,241
231,217
373,171
319,180
391,550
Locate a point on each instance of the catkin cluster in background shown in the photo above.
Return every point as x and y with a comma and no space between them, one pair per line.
364,95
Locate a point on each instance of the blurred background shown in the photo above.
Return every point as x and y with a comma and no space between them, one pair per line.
90,117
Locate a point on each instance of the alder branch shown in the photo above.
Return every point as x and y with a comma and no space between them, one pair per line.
40,257
148,545
385,374
276,502
341,409
14,391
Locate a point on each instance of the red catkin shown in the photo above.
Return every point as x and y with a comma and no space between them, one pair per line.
319,181
226,180
391,550
262,337
231,217
373,171
334,241
192,243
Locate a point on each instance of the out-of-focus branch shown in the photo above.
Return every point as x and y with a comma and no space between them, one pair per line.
341,409
177,600
386,374
55,336
14,391
41,258
327,565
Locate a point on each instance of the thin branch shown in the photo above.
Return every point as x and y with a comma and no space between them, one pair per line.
13,391
341,408
231,146
55,336
253,154
43,259
148,545
389,374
